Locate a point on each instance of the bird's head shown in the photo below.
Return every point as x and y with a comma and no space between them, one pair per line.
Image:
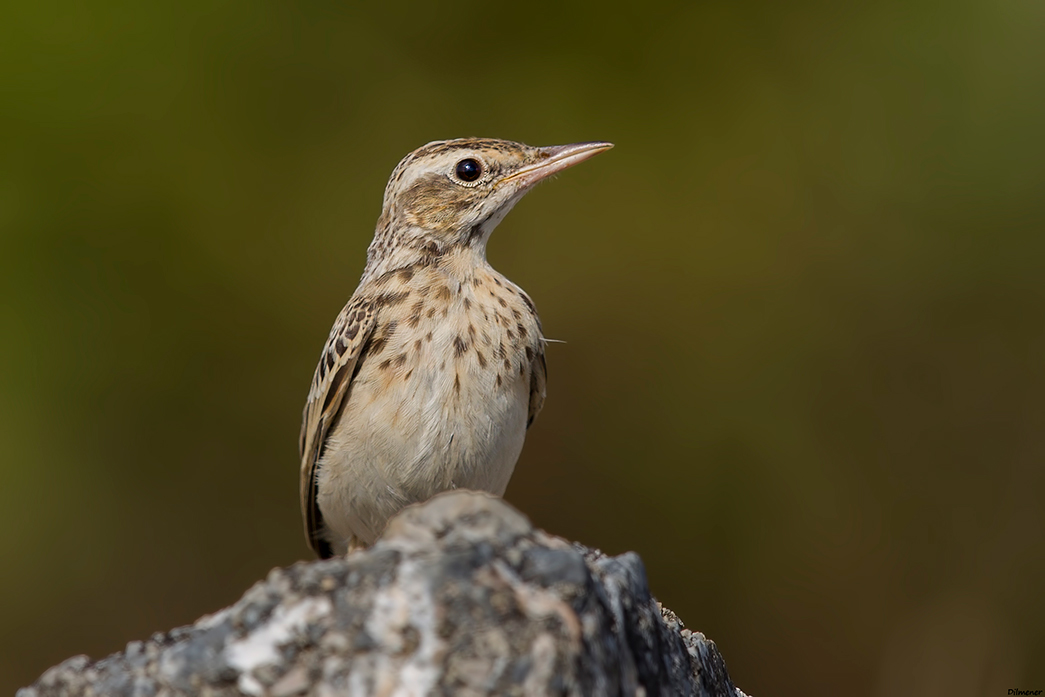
455,192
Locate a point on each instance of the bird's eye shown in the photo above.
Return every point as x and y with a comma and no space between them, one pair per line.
468,170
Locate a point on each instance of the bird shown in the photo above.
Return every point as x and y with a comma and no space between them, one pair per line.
435,368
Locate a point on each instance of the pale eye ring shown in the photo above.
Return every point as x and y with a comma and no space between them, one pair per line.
468,171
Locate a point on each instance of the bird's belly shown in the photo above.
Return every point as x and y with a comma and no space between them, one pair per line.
417,422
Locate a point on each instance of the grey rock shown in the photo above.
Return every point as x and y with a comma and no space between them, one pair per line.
461,596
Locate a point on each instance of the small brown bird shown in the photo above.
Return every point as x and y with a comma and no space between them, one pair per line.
435,368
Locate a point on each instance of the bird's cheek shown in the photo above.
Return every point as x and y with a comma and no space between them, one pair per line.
439,214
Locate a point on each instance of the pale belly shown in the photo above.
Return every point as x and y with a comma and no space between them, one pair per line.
424,416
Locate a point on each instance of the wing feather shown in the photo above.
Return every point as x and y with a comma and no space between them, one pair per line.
538,385
337,366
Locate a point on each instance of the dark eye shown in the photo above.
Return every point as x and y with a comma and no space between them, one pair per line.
468,170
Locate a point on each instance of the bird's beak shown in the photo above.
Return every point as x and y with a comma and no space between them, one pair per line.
555,158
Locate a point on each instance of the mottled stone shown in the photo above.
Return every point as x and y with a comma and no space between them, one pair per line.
460,596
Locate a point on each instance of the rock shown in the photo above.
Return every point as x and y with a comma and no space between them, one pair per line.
461,596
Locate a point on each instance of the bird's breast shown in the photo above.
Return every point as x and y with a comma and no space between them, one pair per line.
441,396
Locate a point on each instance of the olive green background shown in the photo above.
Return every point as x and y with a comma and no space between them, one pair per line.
803,304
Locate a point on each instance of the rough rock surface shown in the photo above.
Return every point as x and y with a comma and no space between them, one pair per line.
461,596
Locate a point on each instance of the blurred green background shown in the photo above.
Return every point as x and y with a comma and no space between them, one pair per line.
803,301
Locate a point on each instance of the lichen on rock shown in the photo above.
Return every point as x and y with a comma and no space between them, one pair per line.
461,596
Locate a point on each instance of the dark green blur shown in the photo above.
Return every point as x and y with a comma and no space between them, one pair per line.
803,301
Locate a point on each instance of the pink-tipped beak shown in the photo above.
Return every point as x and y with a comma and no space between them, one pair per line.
556,159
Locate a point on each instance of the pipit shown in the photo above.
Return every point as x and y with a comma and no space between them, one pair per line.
435,368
